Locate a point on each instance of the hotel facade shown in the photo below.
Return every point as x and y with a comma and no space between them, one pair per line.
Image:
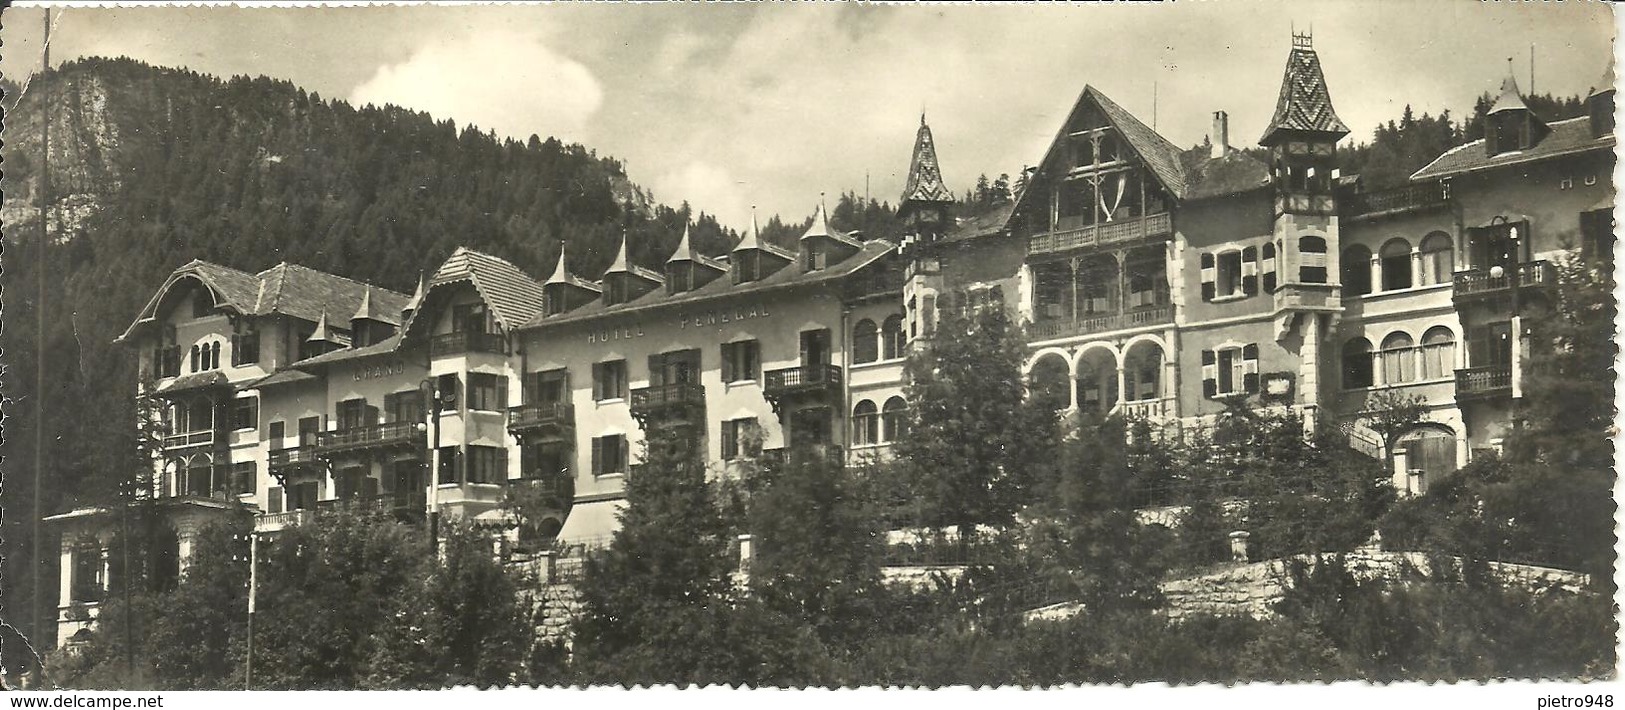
1153,281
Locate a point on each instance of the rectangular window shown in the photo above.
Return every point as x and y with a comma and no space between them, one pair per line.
609,455
487,392
244,477
245,347
447,470
816,258
405,406
547,387
303,496
609,380
273,499
472,318
487,464
741,438
275,433
741,361
447,386
87,573
245,413
1229,370
309,427
352,414
1229,274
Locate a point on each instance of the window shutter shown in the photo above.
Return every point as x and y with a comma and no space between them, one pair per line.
1210,374
730,439
273,503
728,351
1249,368
501,474
1249,271
1267,267
597,456
502,394
1210,277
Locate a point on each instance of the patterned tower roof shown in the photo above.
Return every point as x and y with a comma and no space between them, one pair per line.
1305,104
924,173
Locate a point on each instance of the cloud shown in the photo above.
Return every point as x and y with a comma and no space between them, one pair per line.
497,79
707,187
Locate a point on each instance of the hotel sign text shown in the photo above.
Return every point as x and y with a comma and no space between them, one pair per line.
374,372
700,319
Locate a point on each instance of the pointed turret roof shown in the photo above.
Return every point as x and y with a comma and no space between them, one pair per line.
416,301
1305,103
364,311
323,333
1605,83
924,172
621,263
685,252
820,228
561,275
1510,99
753,240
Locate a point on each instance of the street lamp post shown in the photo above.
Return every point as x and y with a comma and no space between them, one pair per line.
432,396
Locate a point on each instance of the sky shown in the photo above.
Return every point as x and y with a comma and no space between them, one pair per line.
732,106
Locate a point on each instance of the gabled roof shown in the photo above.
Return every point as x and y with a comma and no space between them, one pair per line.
1158,154
512,296
561,275
284,289
1566,138
924,182
1305,104
820,228
685,252
987,223
753,240
723,288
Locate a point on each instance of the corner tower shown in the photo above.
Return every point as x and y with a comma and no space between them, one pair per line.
924,211
1302,139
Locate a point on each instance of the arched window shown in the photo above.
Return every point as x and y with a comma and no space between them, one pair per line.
214,355
1312,260
891,337
1356,271
194,361
1437,264
1438,353
894,417
1358,368
1396,265
1398,358
865,424
865,342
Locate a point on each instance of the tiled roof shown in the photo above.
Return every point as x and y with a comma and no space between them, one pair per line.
387,345
303,292
1566,138
623,265
514,297
284,289
685,252
753,240
1304,104
280,377
783,278
1236,172
561,275
1509,100
194,381
989,222
924,172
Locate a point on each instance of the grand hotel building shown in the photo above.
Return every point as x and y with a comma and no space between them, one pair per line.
1154,281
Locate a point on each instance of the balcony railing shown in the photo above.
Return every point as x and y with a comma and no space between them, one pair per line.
646,399
541,415
1479,283
292,456
1409,198
271,522
189,438
1049,329
408,502
803,377
368,436
1485,381
1149,409
1124,230
457,343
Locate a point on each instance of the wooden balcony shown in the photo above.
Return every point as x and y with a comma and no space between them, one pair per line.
1534,276
458,343
541,418
802,379
1152,410
1156,226
409,504
1397,201
368,437
1089,325
293,457
678,403
272,522
1483,382
188,439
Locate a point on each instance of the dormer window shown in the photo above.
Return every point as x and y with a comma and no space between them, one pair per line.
747,267
552,303
1601,108
1508,131
816,257
616,291
680,277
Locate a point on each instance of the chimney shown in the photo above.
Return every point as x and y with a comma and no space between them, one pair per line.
1221,134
